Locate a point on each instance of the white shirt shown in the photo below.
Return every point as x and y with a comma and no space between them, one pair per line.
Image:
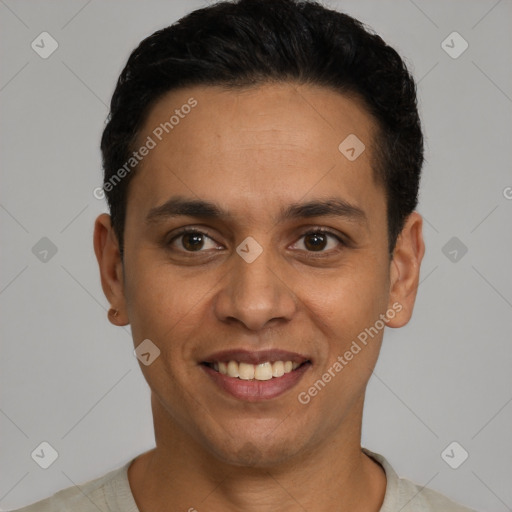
112,493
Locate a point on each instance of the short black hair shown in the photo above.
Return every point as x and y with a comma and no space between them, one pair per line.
246,43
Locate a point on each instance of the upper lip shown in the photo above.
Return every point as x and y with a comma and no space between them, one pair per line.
255,357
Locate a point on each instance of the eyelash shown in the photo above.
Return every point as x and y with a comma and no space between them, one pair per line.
186,231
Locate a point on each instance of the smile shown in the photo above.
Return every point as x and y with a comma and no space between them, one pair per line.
247,371
254,376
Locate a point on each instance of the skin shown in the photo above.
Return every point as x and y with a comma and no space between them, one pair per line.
254,151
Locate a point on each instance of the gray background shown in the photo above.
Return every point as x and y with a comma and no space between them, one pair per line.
69,377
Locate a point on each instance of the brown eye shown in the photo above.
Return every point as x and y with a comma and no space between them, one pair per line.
315,241
192,241
320,241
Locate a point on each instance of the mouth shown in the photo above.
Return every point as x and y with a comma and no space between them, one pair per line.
256,376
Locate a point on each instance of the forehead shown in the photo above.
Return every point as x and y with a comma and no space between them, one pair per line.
275,141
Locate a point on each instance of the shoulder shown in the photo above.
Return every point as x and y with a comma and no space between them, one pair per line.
407,496
108,492
414,497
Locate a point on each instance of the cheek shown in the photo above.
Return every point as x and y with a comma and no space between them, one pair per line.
343,306
161,304
163,309
346,298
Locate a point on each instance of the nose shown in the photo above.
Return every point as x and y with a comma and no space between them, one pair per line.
255,294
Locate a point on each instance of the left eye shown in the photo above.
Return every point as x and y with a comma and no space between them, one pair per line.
318,241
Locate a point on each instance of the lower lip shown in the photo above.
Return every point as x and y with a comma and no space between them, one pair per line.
257,390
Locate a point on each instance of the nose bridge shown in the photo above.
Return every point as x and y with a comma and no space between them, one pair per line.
254,292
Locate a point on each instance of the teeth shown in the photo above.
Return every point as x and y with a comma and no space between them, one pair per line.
246,371
278,369
262,371
233,369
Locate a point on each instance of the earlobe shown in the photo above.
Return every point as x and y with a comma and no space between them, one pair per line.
405,269
106,248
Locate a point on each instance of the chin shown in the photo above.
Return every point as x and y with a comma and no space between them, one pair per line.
263,452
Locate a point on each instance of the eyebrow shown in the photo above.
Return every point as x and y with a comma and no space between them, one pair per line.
179,206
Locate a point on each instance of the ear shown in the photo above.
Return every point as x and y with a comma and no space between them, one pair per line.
106,247
405,270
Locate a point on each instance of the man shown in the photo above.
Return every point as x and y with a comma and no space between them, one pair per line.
262,162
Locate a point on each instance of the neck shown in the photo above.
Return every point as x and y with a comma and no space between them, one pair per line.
179,474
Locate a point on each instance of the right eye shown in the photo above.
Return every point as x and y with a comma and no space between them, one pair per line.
191,240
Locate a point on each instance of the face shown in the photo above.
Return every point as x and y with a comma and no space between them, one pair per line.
255,247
